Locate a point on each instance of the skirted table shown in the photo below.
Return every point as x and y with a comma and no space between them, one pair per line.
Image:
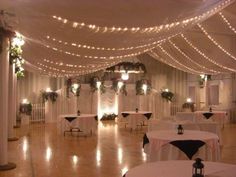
168,145
216,116
86,123
181,168
136,118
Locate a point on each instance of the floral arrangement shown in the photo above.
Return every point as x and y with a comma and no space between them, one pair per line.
166,94
26,108
109,116
93,85
188,105
15,55
116,88
49,95
139,87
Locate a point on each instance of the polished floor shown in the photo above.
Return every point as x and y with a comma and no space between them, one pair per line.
42,151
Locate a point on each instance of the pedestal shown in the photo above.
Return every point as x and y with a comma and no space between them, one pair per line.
50,115
166,108
25,119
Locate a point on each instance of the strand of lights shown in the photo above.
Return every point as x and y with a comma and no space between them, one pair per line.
148,30
74,44
97,57
227,22
187,57
79,66
153,54
206,57
216,43
171,57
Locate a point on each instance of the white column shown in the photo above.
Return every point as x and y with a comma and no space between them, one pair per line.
11,104
4,76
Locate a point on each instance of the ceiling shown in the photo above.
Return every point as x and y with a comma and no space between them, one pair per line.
70,38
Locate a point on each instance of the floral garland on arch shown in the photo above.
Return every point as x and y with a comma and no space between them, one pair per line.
119,87
143,87
15,55
95,86
49,95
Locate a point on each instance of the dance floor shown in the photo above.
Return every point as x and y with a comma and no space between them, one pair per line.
42,151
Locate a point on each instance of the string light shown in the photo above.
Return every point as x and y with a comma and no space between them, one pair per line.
207,58
97,57
74,44
227,22
216,43
155,56
170,56
148,30
187,57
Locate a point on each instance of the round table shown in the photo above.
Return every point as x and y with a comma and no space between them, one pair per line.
135,118
166,145
86,123
181,168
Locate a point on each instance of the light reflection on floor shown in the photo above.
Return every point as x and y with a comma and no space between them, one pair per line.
43,151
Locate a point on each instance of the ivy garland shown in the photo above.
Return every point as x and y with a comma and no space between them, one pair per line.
93,85
15,57
76,91
128,66
26,108
188,106
167,95
116,89
70,88
108,116
139,86
49,95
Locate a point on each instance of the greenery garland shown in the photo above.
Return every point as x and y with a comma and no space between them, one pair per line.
26,108
188,106
49,95
108,116
116,89
128,66
93,85
168,95
70,88
139,86
15,57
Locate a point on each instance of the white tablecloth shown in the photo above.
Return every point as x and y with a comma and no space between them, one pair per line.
135,118
181,168
218,116
85,122
159,147
208,126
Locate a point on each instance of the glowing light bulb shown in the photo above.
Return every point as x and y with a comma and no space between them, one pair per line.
98,84
25,101
166,90
120,84
48,89
124,76
144,87
189,100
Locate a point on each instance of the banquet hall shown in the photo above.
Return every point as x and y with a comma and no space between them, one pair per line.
117,88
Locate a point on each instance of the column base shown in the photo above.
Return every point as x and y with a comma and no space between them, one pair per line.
8,166
13,139
16,126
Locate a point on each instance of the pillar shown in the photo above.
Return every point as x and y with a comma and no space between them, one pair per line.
11,104
4,76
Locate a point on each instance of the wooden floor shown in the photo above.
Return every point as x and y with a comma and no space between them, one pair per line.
42,151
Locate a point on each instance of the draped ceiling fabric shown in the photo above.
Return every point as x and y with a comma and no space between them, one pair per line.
68,38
